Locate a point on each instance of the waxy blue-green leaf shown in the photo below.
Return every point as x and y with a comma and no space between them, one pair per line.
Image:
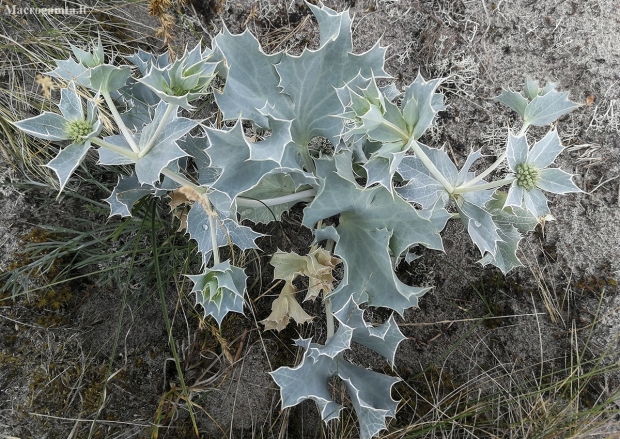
232,152
79,71
195,147
370,392
421,104
510,221
126,193
227,231
220,290
373,228
109,157
67,161
163,152
70,104
309,380
48,126
539,107
310,79
383,339
251,79
300,88
272,186
556,181
106,78
505,256
546,109
513,100
480,226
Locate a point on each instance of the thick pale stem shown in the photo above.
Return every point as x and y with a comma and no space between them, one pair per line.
211,213
494,166
329,314
430,165
119,121
102,143
330,319
158,131
403,135
481,187
483,174
298,196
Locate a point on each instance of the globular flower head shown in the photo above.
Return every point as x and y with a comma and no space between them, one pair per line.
531,172
72,124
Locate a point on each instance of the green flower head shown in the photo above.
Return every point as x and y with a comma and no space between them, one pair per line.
531,171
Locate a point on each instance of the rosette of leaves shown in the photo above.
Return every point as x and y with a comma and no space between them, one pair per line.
390,130
183,81
90,70
220,290
73,124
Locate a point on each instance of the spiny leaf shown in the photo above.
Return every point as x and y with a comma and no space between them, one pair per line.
370,392
383,339
67,160
126,193
232,153
374,227
219,290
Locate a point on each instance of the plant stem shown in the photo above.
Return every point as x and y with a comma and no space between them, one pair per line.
480,187
117,149
210,211
483,174
494,166
119,121
297,196
403,135
158,131
329,314
430,165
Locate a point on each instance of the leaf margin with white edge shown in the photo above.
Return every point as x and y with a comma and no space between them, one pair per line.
231,281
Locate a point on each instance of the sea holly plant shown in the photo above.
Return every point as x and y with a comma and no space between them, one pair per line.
389,192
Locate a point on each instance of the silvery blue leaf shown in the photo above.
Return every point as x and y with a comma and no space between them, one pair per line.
70,70
370,394
71,105
106,78
48,126
421,104
513,100
383,339
545,151
109,157
126,193
531,88
67,160
230,152
546,109
422,188
505,257
373,226
536,202
220,290
556,181
516,151
480,226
